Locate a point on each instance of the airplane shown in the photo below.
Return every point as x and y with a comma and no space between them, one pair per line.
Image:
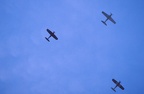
108,17
51,35
117,84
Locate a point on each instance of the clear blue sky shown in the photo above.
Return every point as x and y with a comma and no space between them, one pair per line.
87,55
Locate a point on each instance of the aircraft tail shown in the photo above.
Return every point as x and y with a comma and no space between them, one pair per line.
104,23
47,39
113,89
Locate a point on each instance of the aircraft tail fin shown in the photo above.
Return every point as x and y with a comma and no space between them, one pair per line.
113,89
104,23
47,39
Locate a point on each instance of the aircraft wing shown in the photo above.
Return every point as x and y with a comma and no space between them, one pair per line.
55,37
105,14
114,81
121,87
50,32
111,19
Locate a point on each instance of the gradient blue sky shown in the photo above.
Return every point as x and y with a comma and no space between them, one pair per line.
87,55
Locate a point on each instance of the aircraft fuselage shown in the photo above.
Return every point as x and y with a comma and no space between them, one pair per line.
51,33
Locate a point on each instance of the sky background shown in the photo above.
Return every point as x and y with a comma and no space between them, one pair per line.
85,58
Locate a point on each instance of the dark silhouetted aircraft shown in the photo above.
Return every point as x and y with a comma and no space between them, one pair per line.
51,35
108,17
117,84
